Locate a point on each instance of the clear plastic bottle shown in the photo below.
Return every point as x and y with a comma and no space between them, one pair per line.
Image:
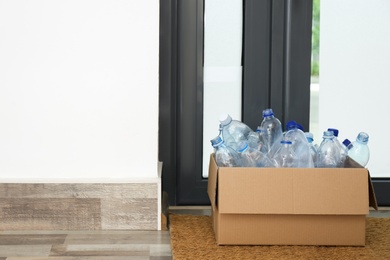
285,156
219,134
346,145
254,141
328,155
224,155
294,134
260,131
233,131
300,145
313,148
252,157
360,151
343,155
273,129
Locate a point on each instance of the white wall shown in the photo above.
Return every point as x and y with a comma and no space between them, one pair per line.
79,89
354,74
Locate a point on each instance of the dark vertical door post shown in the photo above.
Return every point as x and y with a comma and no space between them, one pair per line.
191,187
168,95
256,60
181,101
296,105
276,60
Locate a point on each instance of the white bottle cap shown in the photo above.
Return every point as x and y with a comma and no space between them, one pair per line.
225,119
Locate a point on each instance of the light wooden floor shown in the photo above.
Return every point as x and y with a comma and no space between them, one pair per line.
110,245
93,245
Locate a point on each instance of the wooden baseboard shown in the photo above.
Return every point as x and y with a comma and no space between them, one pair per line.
79,206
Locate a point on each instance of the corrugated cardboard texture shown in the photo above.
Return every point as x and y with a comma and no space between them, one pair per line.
293,191
290,230
289,206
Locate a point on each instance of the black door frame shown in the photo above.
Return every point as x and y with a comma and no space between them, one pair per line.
276,74
181,101
191,186
167,96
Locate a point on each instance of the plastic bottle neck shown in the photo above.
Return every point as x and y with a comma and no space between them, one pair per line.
328,137
361,142
362,138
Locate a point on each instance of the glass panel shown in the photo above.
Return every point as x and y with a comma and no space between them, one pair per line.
222,67
315,68
354,69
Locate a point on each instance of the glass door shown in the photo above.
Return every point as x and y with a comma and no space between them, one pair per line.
354,89
238,57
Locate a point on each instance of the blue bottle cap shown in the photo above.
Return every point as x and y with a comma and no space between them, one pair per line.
346,142
300,127
285,142
268,112
335,131
291,125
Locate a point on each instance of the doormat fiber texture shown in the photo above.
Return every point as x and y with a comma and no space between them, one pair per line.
192,237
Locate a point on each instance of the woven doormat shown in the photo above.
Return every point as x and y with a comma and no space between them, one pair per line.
192,237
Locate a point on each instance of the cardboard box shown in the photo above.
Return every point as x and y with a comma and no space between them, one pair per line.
289,206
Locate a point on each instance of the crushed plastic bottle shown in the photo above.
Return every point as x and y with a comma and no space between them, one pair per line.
233,131
300,145
285,156
224,155
255,142
252,157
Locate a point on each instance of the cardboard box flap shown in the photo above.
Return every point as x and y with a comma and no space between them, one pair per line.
372,197
212,181
350,163
337,191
